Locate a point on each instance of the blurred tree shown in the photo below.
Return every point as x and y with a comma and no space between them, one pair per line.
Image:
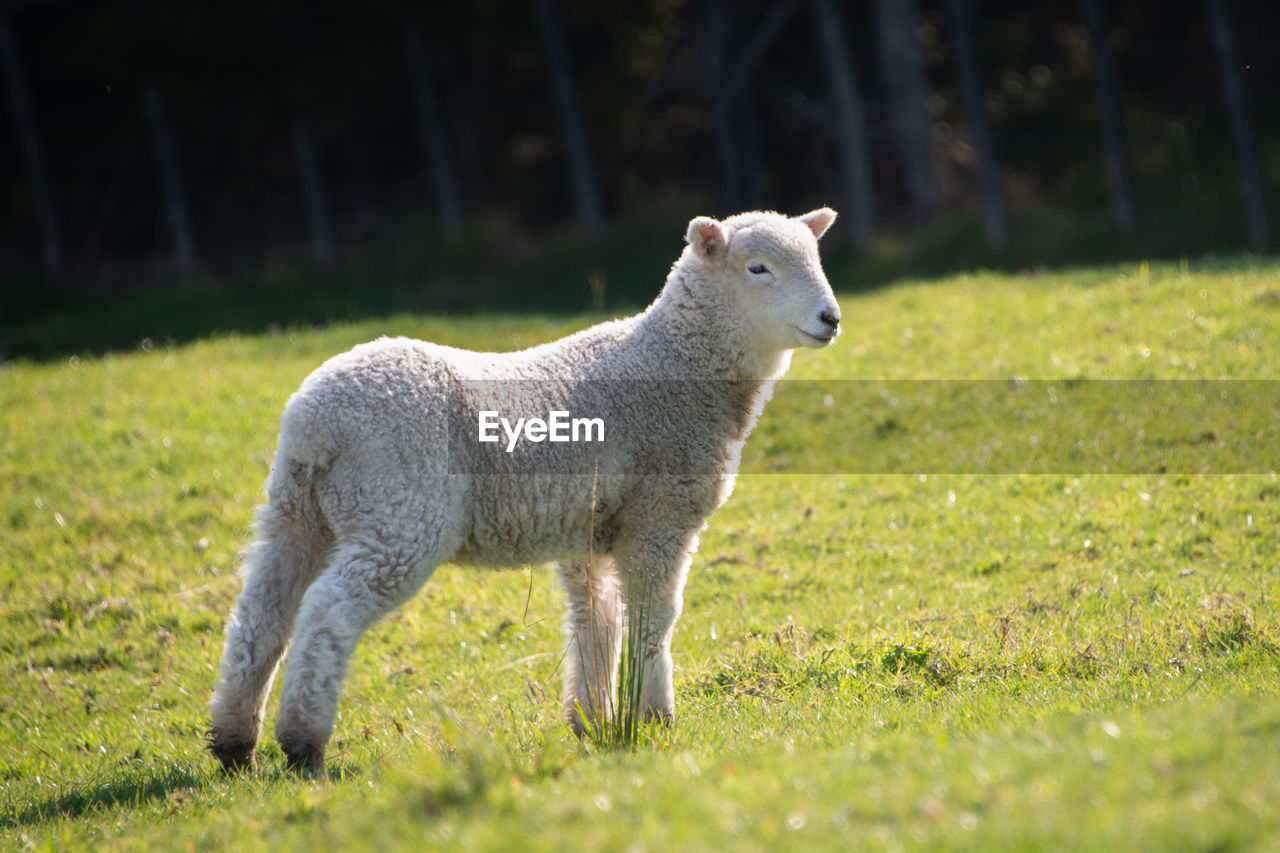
24,122
734,58
850,127
907,89
435,135
315,199
1114,148
173,190
976,110
735,175
581,172
1238,115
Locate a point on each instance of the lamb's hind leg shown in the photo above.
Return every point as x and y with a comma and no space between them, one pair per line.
363,581
277,569
594,629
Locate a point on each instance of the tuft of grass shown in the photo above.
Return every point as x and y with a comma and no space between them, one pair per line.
627,726
1233,630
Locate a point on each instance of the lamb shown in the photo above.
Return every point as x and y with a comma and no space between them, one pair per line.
380,475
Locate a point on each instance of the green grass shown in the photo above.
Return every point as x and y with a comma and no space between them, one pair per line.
949,661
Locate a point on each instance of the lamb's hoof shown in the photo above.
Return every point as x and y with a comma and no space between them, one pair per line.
581,721
666,718
578,726
234,755
303,758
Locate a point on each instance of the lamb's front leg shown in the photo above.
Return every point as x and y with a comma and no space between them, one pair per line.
593,625
654,594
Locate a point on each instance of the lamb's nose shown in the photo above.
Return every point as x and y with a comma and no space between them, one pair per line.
832,320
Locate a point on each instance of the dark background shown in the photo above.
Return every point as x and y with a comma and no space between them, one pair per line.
236,80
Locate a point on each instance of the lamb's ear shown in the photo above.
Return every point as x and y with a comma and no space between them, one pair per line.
706,236
819,220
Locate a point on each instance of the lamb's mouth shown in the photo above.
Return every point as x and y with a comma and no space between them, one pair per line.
818,340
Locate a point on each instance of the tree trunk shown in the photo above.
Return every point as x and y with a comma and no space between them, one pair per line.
1238,114
1114,149
729,156
735,123
907,88
32,147
581,173
434,133
314,198
975,106
850,127
730,167
169,172
747,52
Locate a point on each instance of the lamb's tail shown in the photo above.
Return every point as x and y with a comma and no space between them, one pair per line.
286,555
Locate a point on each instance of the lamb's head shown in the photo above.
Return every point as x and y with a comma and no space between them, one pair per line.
766,268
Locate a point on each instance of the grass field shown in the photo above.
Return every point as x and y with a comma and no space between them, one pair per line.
1074,660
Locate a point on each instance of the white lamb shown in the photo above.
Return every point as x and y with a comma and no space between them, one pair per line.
379,477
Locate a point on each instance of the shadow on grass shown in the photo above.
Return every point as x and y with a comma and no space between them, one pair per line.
128,789
136,788
566,273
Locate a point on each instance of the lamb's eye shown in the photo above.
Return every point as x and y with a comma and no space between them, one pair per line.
758,269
